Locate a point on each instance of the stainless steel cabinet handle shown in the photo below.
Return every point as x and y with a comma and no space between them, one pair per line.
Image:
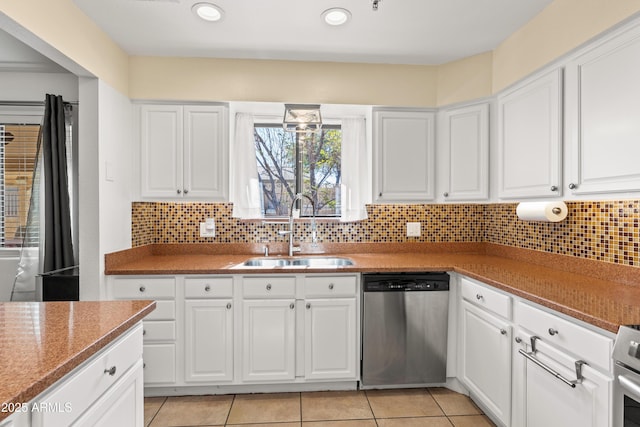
518,340
292,306
178,191
479,297
228,306
111,371
571,383
207,288
572,186
554,188
553,332
330,285
308,305
142,289
503,331
186,191
269,286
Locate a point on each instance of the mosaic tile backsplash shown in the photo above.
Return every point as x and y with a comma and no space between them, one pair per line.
599,230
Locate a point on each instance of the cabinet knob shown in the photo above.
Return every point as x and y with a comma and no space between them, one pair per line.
144,365
268,286
207,288
380,194
330,285
554,188
111,371
292,306
445,194
308,305
518,340
503,331
228,306
144,332
179,191
572,186
142,289
186,191
553,332
479,297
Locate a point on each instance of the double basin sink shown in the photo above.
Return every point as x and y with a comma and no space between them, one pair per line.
303,262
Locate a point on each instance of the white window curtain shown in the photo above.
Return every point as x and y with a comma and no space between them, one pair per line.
355,170
245,187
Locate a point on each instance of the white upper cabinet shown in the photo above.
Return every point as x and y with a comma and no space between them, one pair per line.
183,151
603,116
465,136
530,138
404,164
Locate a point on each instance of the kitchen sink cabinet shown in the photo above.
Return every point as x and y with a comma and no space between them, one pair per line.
602,115
183,151
465,136
403,155
208,349
485,347
530,138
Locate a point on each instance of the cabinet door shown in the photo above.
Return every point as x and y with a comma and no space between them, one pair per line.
208,340
159,364
330,338
542,400
465,132
486,359
205,153
529,135
404,156
268,340
602,116
161,160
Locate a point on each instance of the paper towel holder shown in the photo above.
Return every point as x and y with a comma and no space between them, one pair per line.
556,210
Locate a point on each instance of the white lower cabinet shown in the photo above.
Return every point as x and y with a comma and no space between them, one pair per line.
107,390
485,347
268,328
329,338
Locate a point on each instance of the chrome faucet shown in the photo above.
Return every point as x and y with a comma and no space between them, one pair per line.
290,231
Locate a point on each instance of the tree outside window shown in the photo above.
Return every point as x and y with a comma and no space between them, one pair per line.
291,163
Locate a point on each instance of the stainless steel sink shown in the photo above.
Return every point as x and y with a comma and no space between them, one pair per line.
308,262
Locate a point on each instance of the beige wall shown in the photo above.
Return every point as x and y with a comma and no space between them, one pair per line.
64,27
466,79
559,28
206,79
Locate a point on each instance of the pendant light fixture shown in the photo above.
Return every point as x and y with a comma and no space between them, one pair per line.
302,118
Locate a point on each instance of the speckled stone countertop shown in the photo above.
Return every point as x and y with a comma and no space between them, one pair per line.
602,294
40,342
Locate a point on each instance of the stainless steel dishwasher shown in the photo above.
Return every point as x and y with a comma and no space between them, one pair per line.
404,329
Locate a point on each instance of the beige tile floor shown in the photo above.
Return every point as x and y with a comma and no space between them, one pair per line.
432,407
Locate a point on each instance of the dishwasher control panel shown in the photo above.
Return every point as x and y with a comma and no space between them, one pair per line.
406,282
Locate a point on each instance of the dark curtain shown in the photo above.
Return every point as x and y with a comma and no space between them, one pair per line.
58,246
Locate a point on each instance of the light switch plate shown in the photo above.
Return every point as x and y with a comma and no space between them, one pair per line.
206,233
413,229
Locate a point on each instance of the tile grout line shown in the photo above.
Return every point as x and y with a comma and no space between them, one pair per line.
157,412
226,421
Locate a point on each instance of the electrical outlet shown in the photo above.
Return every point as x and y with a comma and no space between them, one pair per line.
206,232
413,229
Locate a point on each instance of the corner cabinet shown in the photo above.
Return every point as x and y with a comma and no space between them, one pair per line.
183,151
603,129
530,138
403,157
465,134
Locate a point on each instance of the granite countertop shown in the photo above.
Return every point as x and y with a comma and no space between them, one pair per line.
602,294
40,342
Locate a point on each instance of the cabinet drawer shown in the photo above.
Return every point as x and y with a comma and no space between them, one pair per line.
585,344
159,363
162,330
333,286
208,287
269,287
485,297
90,381
165,310
144,288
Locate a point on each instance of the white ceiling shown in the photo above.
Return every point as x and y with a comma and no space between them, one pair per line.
401,31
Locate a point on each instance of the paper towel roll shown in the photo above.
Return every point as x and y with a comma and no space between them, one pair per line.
542,211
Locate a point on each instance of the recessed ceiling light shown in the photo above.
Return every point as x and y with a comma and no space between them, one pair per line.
336,16
208,11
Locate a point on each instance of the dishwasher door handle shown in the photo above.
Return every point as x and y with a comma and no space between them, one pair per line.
571,383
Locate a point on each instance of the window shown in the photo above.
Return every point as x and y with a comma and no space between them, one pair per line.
18,149
291,163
